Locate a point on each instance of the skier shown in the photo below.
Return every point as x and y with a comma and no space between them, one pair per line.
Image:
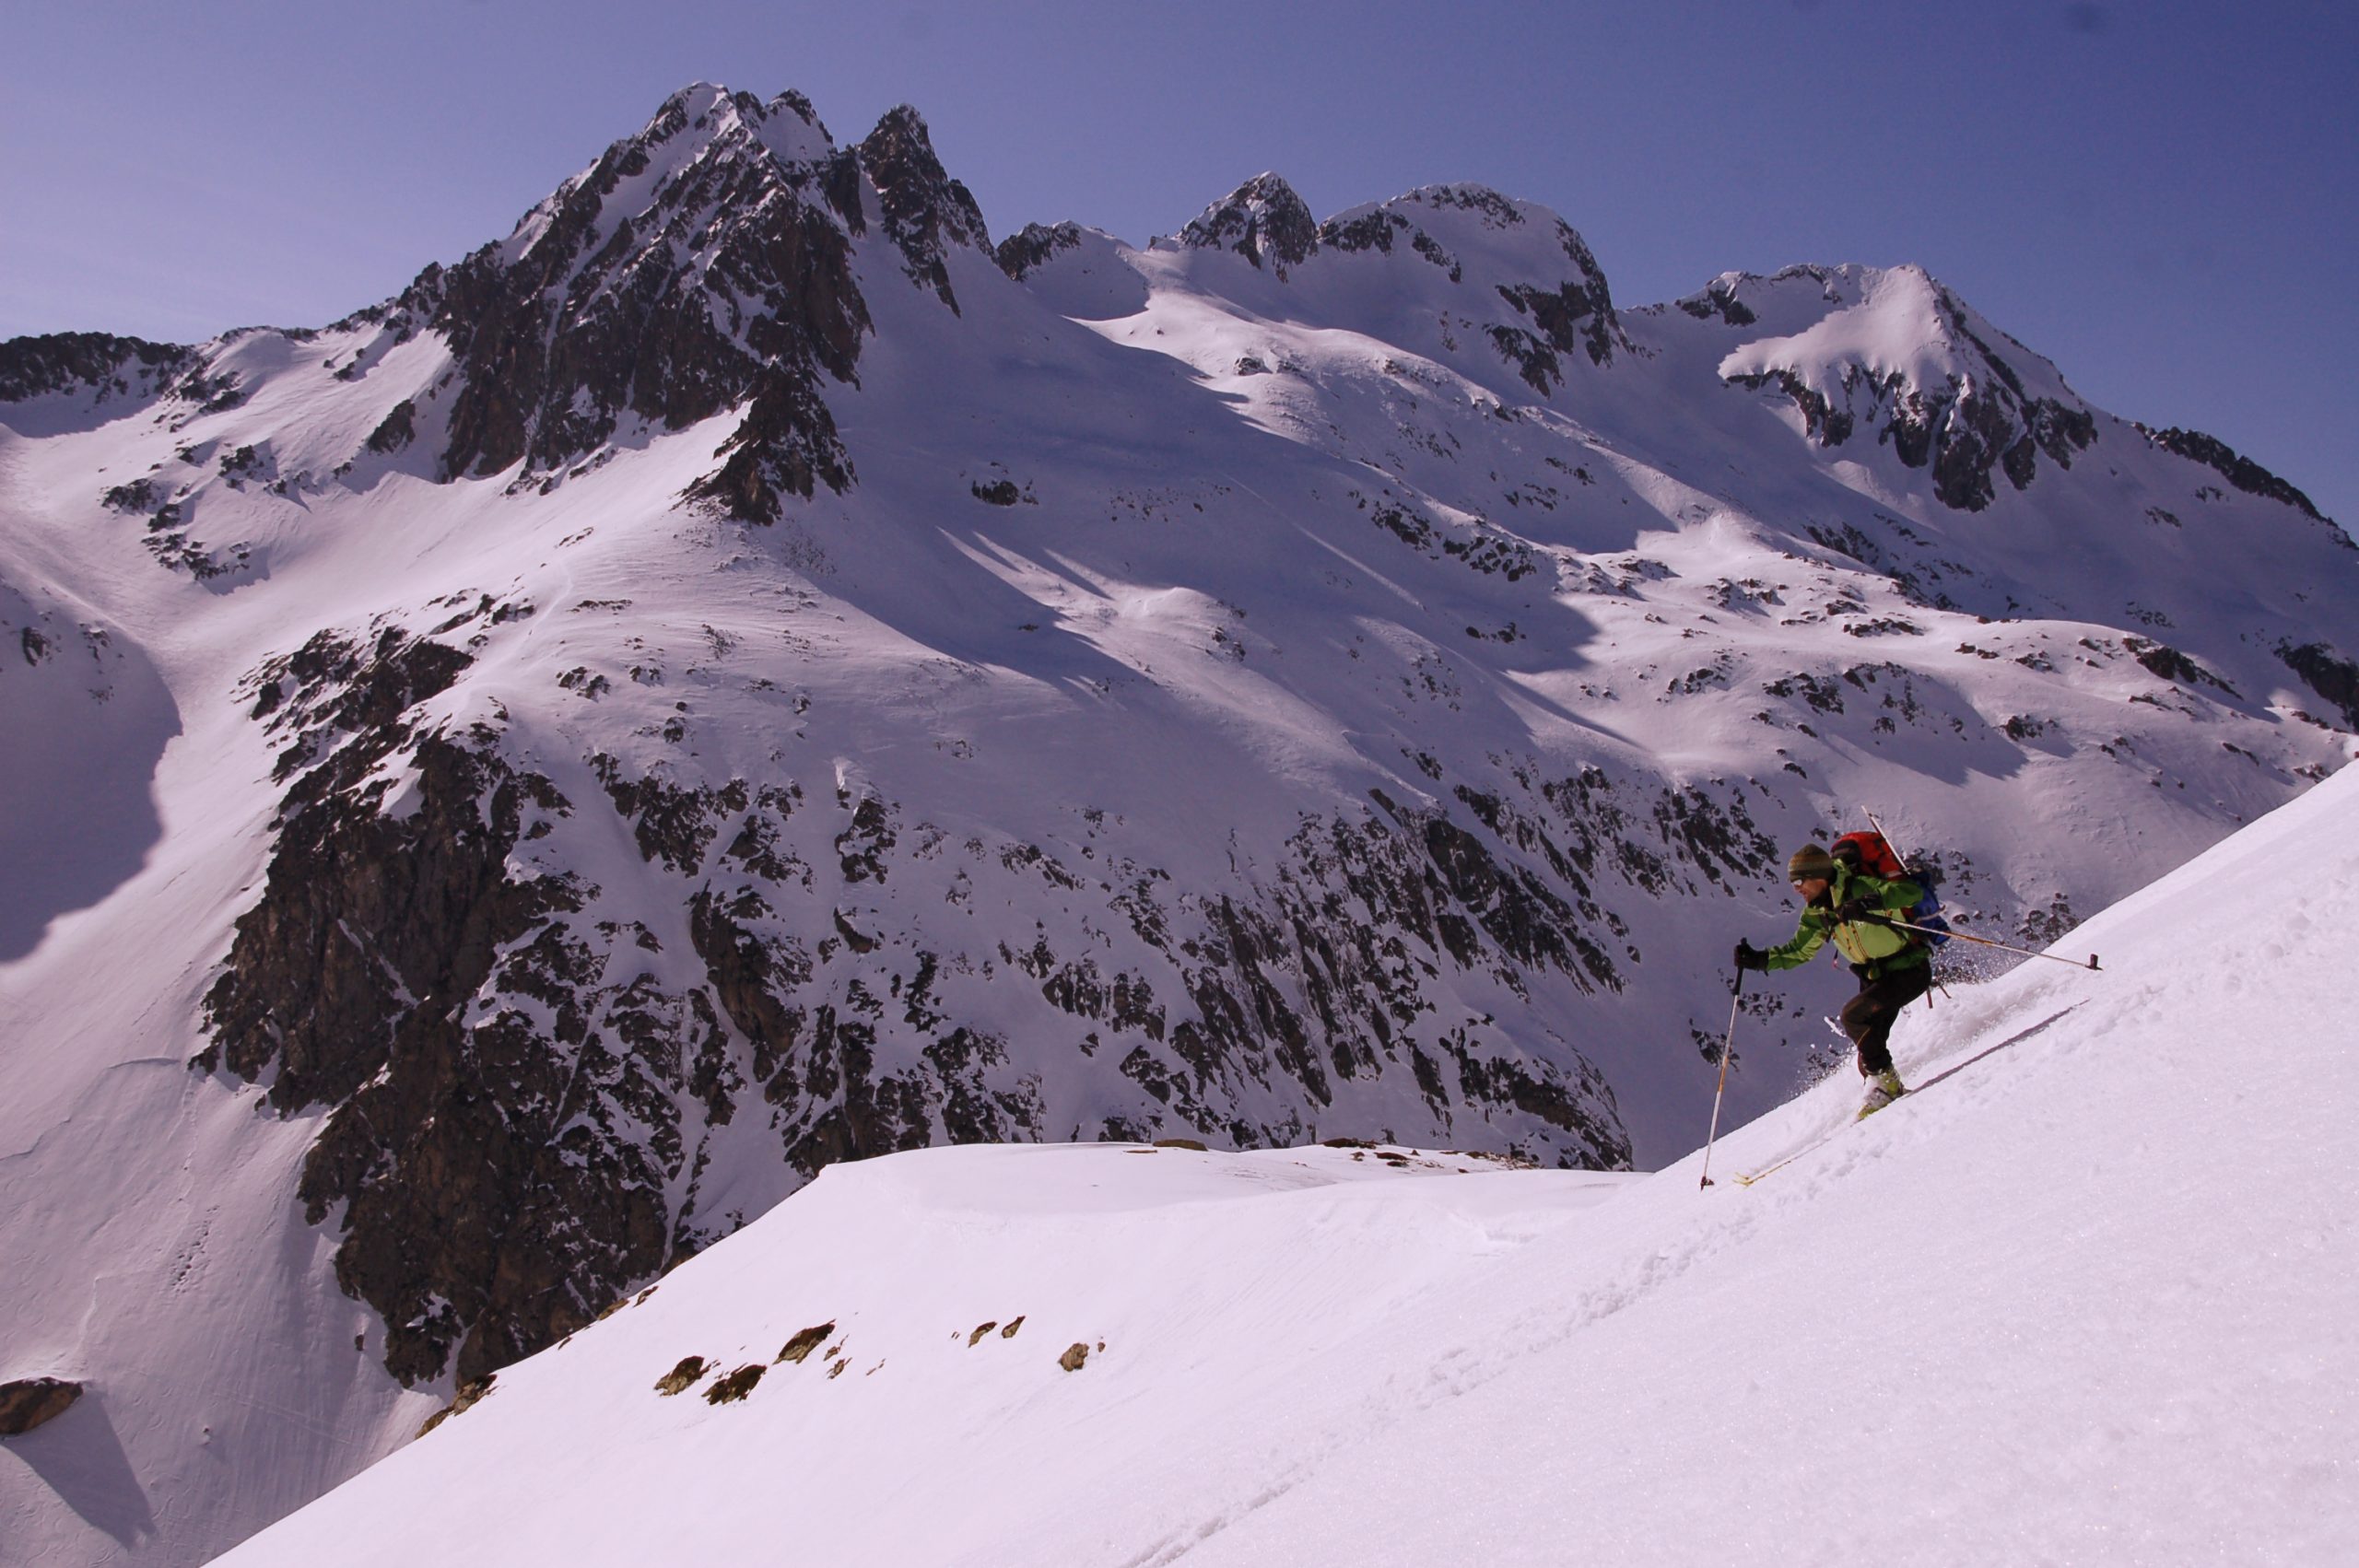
1841,901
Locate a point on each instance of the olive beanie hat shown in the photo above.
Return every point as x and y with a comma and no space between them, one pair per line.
1809,860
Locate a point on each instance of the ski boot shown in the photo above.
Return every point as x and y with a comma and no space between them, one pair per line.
1883,1089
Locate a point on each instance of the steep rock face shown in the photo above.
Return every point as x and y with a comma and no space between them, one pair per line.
926,211
1893,352
468,1215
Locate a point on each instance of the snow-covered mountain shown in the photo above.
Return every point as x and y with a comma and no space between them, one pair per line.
2083,1295
745,673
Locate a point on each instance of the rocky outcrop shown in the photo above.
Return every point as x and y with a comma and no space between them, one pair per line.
1716,301
400,971
29,1402
112,368
1033,246
926,211
2332,677
1261,220
2227,462
694,269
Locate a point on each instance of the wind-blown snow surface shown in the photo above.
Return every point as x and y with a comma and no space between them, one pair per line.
2083,1297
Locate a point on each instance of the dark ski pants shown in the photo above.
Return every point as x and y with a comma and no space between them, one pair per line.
1867,1018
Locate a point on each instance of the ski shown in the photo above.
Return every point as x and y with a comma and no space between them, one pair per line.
1744,1179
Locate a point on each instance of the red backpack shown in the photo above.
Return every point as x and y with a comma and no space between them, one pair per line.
1870,851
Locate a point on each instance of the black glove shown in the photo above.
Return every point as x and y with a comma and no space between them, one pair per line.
1751,957
1858,909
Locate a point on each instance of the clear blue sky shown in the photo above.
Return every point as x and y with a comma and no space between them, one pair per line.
2158,196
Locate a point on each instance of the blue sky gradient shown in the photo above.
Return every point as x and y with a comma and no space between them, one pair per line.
2159,198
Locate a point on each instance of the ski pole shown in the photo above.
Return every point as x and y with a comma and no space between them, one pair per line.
1986,942
1734,992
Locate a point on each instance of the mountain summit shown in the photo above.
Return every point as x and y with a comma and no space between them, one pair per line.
745,674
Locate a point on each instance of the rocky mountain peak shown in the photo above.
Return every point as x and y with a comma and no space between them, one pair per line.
926,211
1261,220
1526,255
700,264
1892,350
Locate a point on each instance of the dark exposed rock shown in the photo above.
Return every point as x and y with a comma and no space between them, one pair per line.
808,1340
2162,659
682,1377
468,1396
2237,469
1261,220
1821,692
786,443
396,430
1577,315
29,1402
333,686
1964,428
502,1128
727,1391
724,282
1829,426
860,849
1718,299
480,1215
926,211
753,976
1033,246
1479,545
673,825
136,496
212,392
1373,230
2334,678
112,367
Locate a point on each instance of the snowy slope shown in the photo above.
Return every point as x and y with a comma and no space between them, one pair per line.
742,675
2081,1297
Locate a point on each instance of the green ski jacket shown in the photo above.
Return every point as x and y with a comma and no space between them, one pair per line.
1862,942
